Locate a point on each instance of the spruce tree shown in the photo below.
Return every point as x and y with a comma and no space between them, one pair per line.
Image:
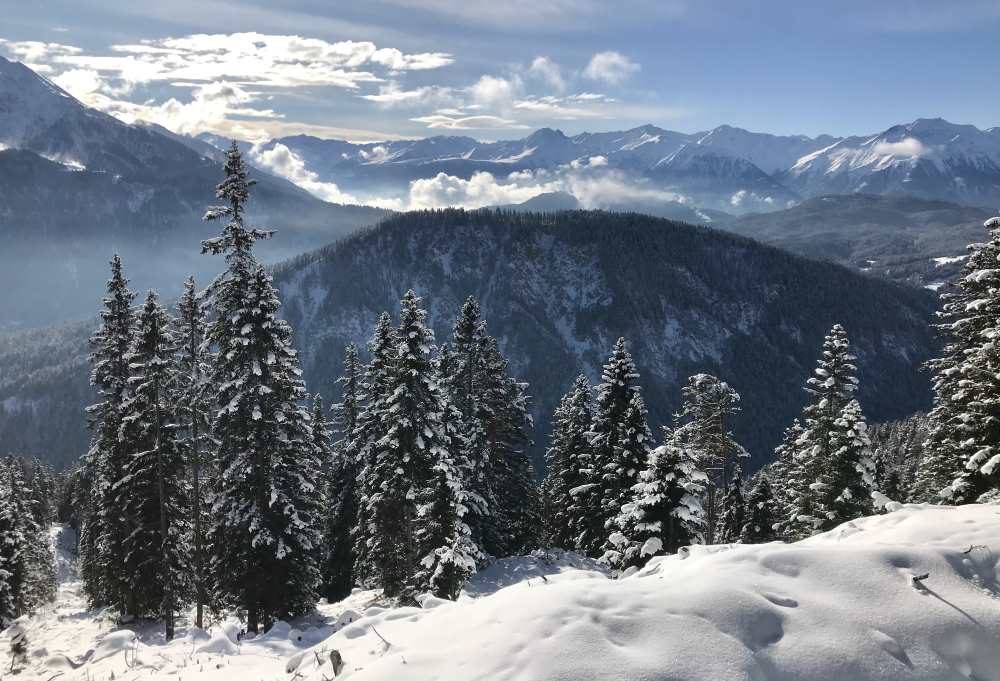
155,485
567,457
761,511
371,428
666,510
831,471
403,460
342,494
733,508
631,458
703,427
513,521
964,438
603,501
789,481
448,553
268,494
193,412
105,527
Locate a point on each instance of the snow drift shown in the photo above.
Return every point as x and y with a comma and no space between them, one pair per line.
908,595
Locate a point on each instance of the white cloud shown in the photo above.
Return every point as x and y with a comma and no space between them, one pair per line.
454,120
548,72
495,92
285,163
906,147
610,67
482,189
392,96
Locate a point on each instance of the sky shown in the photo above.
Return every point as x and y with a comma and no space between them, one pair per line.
386,69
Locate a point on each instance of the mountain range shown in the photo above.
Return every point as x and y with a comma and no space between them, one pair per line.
727,168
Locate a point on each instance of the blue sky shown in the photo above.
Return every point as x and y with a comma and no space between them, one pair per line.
497,69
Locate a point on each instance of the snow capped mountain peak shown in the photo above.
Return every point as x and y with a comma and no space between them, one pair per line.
29,103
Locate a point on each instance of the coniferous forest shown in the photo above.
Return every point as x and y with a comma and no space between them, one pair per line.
215,480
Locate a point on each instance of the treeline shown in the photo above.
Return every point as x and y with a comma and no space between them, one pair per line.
29,504
612,494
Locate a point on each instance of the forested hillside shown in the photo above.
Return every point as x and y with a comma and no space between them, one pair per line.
557,290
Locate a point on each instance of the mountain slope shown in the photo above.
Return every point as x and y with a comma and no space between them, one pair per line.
929,158
558,289
917,241
78,185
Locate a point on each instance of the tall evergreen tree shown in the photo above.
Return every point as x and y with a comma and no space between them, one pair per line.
266,516
513,520
603,501
666,510
703,427
964,437
568,456
761,511
27,566
370,430
342,495
194,416
155,485
402,465
733,516
831,471
105,527
447,552
789,479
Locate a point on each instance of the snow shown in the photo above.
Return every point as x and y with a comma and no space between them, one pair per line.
947,260
848,604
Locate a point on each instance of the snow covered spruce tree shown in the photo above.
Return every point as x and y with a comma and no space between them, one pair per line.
567,457
104,527
495,425
265,535
195,425
27,566
790,481
342,492
514,520
964,439
831,472
761,511
369,431
665,511
155,486
403,460
703,427
447,550
732,515
614,470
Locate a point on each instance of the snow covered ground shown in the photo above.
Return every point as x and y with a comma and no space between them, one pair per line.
849,605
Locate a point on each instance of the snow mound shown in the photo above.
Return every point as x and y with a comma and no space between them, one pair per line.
541,567
912,594
843,605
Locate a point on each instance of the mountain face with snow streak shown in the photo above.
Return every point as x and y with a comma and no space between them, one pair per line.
929,158
725,168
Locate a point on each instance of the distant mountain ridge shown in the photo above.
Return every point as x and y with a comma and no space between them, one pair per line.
726,168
